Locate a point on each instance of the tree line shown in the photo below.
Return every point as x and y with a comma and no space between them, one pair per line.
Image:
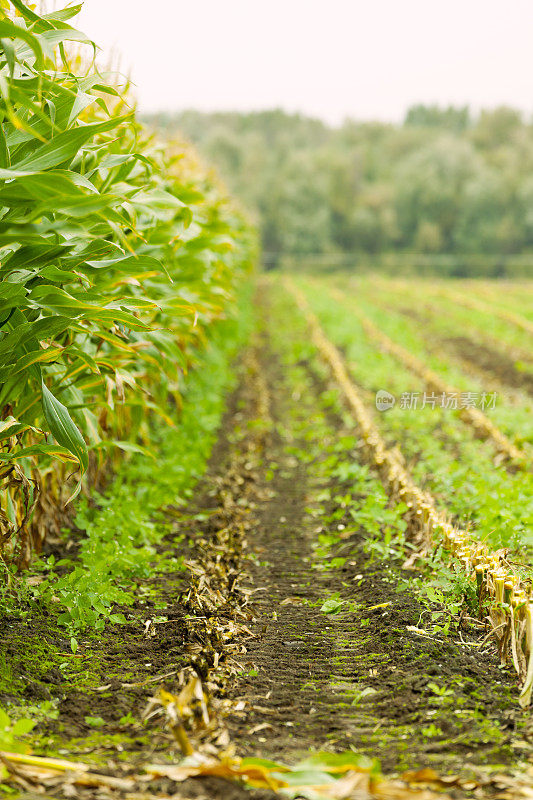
442,182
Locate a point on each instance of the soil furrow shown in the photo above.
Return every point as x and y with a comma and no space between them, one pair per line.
489,360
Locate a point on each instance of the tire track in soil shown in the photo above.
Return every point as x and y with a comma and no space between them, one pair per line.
305,670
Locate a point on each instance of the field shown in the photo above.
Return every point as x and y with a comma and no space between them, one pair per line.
293,582
261,534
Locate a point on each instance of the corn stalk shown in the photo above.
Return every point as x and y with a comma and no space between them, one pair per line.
117,255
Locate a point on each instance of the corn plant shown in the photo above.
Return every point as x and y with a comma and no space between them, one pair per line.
116,255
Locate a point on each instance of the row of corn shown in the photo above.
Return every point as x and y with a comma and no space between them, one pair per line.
511,609
117,255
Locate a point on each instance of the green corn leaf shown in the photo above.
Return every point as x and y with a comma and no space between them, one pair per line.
9,50
61,302
5,160
63,428
79,207
26,12
64,34
33,255
60,150
10,30
38,357
63,14
10,426
128,447
50,450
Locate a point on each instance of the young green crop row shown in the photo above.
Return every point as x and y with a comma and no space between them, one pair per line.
427,329
512,313
514,295
441,451
439,391
459,311
117,254
422,340
506,587
465,353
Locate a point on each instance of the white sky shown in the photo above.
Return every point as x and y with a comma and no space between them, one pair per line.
366,59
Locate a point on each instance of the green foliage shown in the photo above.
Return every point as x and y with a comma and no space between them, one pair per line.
443,182
10,735
430,731
122,526
117,255
95,722
440,691
333,605
86,593
444,590
362,693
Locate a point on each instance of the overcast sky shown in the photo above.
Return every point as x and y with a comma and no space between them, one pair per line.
331,59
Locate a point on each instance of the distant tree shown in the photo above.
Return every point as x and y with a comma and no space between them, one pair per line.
453,119
497,127
428,237
304,206
525,215
484,204
430,185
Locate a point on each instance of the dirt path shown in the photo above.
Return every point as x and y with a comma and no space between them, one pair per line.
284,677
